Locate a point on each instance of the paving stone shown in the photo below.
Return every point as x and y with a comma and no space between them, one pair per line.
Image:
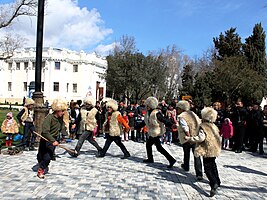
243,176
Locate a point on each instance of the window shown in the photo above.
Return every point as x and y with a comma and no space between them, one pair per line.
42,86
56,86
26,65
9,66
18,66
9,86
33,65
24,86
67,87
75,68
74,88
57,65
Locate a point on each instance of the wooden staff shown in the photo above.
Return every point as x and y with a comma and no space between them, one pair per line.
67,149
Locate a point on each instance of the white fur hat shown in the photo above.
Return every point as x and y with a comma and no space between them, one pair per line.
106,99
29,101
184,105
209,114
113,104
59,104
152,102
89,100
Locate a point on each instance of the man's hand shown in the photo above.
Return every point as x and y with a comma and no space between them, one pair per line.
187,133
22,123
186,137
55,143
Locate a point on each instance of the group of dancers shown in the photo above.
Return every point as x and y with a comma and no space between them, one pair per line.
201,136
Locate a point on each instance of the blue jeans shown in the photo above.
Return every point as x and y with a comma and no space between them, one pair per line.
168,135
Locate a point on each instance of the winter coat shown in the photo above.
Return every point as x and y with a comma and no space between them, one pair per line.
12,128
227,130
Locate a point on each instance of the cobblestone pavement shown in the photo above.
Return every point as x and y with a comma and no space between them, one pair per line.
243,176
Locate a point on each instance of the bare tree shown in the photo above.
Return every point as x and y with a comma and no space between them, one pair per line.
175,62
9,12
8,44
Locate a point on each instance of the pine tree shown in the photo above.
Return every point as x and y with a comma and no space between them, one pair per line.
187,80
228,45
254,50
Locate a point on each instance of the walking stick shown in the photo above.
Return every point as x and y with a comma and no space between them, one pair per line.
67,149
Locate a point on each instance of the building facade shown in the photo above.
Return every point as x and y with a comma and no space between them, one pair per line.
65,73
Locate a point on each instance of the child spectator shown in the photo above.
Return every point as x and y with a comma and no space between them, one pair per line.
168,133
9,127
226,132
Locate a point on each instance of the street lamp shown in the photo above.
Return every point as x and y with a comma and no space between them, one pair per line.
38,97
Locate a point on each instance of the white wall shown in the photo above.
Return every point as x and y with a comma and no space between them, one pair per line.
89,68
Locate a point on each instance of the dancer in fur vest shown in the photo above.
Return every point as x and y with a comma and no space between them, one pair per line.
154,121
26,119
208,146
89,118
113,126
53,124
188,126
9,127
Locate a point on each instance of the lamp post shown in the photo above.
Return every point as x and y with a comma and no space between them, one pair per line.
38,97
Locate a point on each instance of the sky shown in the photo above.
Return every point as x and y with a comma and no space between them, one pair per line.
95,25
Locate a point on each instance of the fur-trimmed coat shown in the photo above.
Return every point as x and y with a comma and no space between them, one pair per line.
9,129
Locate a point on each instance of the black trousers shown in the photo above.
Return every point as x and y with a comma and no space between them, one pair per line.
239,137
45,153
117,140
211,171
156,141
87,135
197,160
28,137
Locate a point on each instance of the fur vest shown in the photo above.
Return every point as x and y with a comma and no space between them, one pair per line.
155,127
193,123
114,127
211,146
13,128
88,121
25,116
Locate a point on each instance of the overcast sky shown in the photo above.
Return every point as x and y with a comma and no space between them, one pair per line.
96,24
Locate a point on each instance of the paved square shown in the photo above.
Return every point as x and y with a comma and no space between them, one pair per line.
243,176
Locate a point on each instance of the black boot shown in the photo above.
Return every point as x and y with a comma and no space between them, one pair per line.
127,155
148,161
172,162
213,190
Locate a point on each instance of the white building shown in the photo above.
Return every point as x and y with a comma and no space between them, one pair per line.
65,73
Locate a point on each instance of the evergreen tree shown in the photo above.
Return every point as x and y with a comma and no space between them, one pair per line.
203,89
187,80
228,45
255,50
